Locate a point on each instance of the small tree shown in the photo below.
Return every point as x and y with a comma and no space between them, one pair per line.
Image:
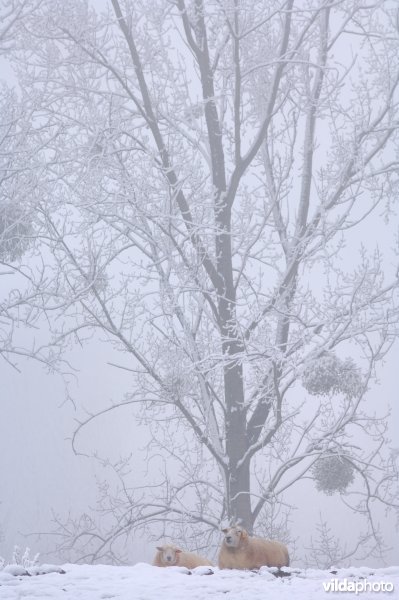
327,550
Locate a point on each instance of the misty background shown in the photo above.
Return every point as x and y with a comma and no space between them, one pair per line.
43,478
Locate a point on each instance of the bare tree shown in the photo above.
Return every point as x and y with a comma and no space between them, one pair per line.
22,270
210,165
327,550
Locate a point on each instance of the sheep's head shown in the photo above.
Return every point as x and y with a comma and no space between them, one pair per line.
233,536
169,554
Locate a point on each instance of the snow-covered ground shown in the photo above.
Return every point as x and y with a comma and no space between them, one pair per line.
144,582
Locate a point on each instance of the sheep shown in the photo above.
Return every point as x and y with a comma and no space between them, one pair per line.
240,551
171,556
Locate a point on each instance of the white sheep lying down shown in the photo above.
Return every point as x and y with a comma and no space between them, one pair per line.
240,551
170,555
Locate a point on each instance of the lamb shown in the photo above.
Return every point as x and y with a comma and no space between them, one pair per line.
171,556
240,551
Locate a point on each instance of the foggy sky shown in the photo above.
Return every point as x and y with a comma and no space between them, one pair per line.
39,473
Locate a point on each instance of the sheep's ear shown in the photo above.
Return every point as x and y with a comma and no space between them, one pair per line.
160,548
177,550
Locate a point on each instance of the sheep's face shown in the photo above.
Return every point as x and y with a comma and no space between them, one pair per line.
169,554
233,536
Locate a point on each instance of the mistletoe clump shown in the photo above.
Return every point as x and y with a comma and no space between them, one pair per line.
331,375
321,377
333,474
15,232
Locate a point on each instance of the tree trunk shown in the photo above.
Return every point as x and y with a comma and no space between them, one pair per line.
238,481
238,496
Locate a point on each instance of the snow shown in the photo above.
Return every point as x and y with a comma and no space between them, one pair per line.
16,570
145,582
